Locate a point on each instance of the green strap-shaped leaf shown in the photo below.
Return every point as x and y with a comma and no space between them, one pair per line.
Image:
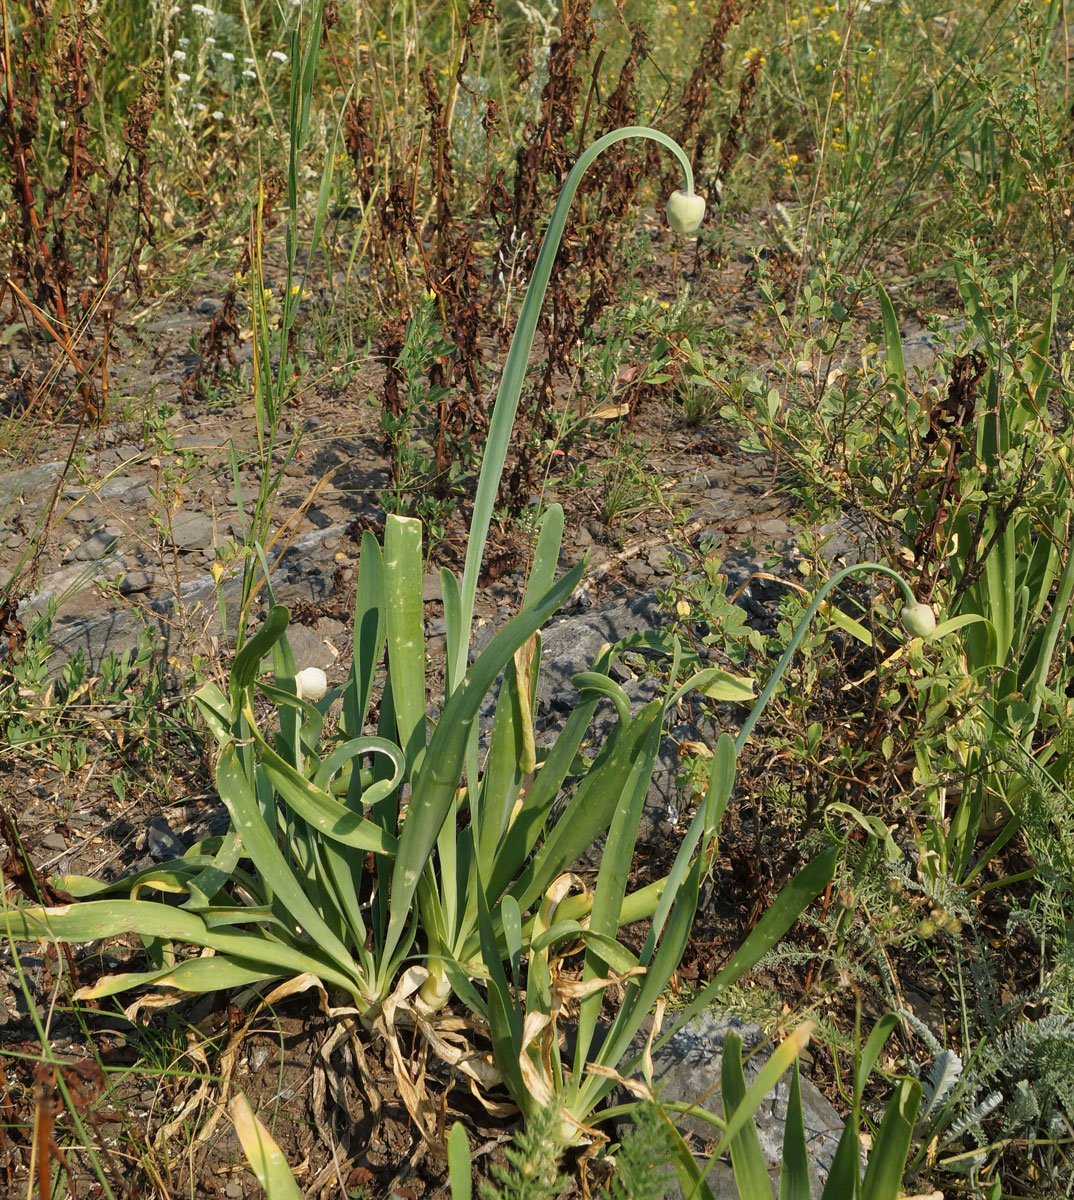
369,623
216,711
504,1018
591,811
529,821
453,630
844,1177
545,555
692,1182
460,1166
406,632
787,907
93,920
747,1158
896,364
769,1075
195,975
247,665
887,1158
641,996
265,1157
511,920
349,751
320,809
208,882
881,1031
617,856
794,1173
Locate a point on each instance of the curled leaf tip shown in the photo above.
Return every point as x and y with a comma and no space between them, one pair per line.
686,211
919,620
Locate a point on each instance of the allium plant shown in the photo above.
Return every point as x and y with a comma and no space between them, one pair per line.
346,854
390,870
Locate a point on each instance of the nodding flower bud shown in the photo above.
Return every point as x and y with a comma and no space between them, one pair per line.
919,620
311,683
686,211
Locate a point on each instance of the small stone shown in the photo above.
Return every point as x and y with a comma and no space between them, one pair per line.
708,539
638,572
161,842
83,513
312,423
200,441
142,580
192,532
54,841
207,307
97,545
430,587
310,645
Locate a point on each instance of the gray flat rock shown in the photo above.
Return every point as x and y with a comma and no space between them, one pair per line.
193,532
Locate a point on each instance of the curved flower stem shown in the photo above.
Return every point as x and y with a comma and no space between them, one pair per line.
514,373
800,632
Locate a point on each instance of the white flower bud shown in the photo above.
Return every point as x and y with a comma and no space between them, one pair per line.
312,683
919,620
686,211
